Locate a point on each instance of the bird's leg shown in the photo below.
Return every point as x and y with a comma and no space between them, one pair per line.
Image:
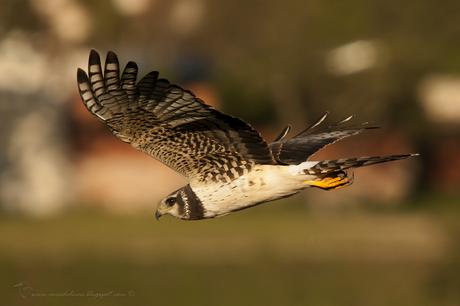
330,182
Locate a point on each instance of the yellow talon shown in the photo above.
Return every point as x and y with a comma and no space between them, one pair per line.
329,183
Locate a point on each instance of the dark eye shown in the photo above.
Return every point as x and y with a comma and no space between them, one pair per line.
170,201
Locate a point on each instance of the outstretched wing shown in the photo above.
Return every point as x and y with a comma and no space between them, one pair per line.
170,123
299,148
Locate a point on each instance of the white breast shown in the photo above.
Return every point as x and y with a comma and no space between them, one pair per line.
263,183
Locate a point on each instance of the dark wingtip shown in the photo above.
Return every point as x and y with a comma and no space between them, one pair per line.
404,156
323,117
81,76
345,120
283,133
94,57
315,124
131,64
111,57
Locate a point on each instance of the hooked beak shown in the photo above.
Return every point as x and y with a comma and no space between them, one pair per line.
158,215
161,210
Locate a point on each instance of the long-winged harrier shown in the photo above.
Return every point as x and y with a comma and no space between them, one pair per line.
228,164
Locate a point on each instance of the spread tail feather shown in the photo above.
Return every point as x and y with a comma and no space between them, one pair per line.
329,166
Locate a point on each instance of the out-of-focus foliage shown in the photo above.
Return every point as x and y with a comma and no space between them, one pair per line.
272,63
275,46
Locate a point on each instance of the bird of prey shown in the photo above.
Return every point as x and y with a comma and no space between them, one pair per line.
229,166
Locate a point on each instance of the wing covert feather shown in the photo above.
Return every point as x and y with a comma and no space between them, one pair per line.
169,123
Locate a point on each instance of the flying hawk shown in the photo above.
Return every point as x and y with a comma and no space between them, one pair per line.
228,164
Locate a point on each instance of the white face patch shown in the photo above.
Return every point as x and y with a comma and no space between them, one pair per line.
174,211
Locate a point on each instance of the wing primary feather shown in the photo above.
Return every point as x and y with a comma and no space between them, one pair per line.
283,133
311,127
128,80
344,120
170,123
86,92
111,72
95,73
313,139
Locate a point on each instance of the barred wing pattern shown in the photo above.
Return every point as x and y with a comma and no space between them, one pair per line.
170,123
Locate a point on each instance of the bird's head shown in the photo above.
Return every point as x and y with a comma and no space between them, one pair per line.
182,203
169,206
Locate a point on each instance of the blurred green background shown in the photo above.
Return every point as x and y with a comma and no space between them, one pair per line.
76,205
